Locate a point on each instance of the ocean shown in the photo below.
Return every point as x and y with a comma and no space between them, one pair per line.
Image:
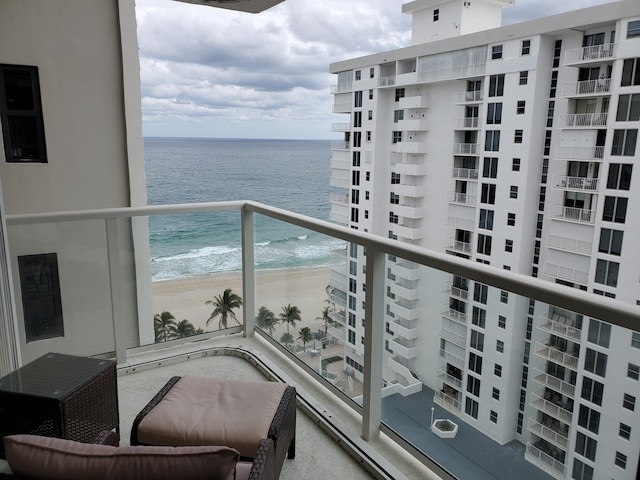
290,174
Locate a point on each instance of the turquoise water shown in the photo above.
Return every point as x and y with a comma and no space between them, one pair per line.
290,174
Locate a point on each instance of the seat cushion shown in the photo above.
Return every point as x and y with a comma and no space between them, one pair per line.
48,458
210,411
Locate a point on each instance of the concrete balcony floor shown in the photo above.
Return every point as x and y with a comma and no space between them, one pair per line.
318,455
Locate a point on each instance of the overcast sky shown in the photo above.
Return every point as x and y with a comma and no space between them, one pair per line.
210,72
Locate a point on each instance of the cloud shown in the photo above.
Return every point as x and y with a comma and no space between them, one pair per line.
207,69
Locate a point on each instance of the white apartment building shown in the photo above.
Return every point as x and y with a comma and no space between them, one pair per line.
514,147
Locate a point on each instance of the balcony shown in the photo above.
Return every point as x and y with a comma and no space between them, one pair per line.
455,291
564,182
465,149
465,199
413,125
572,214
566,273
457,338
561,326
340,145
556,410
466,123
573,245
455,315
553,432
404,348
464,98
451,73
404,328
340,164
579,153
411,229
340,127
409,164
414,101
584,120
341,108
355,425
444,377
587,88
548,380
459,246
341,88
556,355
339,198
592,54
546,461
413,146
465,173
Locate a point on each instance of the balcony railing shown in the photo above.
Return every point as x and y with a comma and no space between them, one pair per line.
459,246
465,173
465,148
555,383
558,438
341,88
566,273
574,245
561,326
463,198
339,145
116,260
594,53
586,120
340,127
601,86
580,215
466,122
545,461
549,352
460,98
575,183
579,153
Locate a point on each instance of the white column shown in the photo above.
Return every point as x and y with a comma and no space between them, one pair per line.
248,273
115,284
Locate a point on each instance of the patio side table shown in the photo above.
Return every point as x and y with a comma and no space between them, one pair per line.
60,396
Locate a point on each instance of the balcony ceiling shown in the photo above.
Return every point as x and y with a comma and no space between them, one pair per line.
251,6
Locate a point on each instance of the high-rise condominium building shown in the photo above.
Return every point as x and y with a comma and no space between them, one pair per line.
516,147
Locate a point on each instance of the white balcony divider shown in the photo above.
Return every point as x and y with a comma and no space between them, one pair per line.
378,247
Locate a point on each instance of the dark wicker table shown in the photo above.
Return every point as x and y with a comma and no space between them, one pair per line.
60,396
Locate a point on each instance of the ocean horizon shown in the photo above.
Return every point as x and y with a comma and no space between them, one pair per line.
289,174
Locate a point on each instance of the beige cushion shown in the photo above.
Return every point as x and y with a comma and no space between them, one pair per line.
210,411
48,458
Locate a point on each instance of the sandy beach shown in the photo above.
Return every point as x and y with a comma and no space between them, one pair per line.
303,287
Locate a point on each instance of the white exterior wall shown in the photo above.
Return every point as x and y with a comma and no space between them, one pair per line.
92,123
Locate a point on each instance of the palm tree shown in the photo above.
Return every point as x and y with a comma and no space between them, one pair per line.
266,320
305,336
224,305
184,328
325,317
287,339
290,315
164,326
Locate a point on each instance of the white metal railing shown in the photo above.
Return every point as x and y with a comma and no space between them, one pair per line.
555,383
450,73
340,198
339,145
550,408
458,246
447,401
465,173
341,107
566,273
574,245
116,221
573,214
466,122
465,148
340,164
341,88
451,358
589,54
562,326
453,337
575,183
474,96
558,438
584,120
461,223
600,86
557,356
579,153
545,461
339,217
340,127
453,314
387,81
463,198
339,182
449,379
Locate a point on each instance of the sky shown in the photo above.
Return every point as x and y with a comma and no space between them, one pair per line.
211,72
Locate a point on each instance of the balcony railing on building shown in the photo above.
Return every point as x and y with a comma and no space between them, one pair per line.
339,198
557,411
449,379
566,273
465,149
593,53
600,86
579,153
584,120
448,399
560,325
466,122
550,352
573,214
465,173
548,380
453,314
339,145
575,183
455,291
554,432
341,108
546,461
340,127
404,328
413,101
336,181
461,98
450,73
341,88
573,245
463,199
459,246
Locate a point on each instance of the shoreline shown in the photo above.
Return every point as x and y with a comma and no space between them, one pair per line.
275,288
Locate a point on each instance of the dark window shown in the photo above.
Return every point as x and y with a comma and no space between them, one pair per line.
490,167
471,407
595,362
515,165
436,14
592,390
518,136
497,370
526,47
480,291
496,85
41,299
611,241
357,99
586,446
621,460
624,142
513,191
473,385
488,193
475,363
589,419
21,114
520,107
494,113
633,29
619,176
399,94
496,52
508,246
486,219
628,108
484,244
581,471
479,316
630,72
524,78
624,431
629,402
599,333
607,272
511,219
358,74
492,141
615,209
477,340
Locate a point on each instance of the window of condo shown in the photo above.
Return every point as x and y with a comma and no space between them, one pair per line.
624,431
355,197
367,176
599,333
480,291
628,108
619,176
371,94
586,446
368,135
502,321
518,136
525,48
484,244
611,241
471,407
589,419
399,94
356,159
354,214
355,178
41,299
477,340
496,85
592,391
479,316
486,219
436,14
372,72
633,29
508,246
497,370
488,193
21,114
633,371
495,393
398,115
475,363
357,139
396,136
624,142
607,272
629,402
513,191
557,50
499,346
492,140
621,460
615,209
595,362
357,99
473,385
524,77
395,178
494,113
554,84
493,416
581,471
490,167
370,115
511,219
358,74
630,72
357,119
520,107
504,296
515,165
496,52
635,339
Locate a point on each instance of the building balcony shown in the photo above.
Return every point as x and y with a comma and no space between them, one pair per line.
546,461
340,145
463,98
410,187
406,269
448,379
580,153
556,355
341,88
452,73
455,291
548,380
413,125
557,411
465,149
587,88
406,290
455,315
414,101
453,337
408,211
572,214
410,165
561,326
340,164
460,223
411,229
339,217
466,123
355,418
404,328
465,199
573,245
339,181
339,198
415,146
340,127
341,108
584,120
459,246
566,273
465,173
403,348
592,54
564,182
554,432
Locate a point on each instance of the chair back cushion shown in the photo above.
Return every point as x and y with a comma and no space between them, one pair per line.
48,458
